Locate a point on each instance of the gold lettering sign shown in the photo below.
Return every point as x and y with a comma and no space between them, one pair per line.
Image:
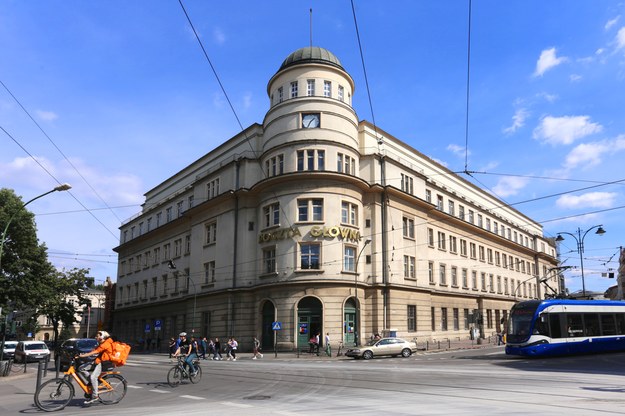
279,234
343,233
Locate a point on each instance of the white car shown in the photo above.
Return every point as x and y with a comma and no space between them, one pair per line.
31,351
9,349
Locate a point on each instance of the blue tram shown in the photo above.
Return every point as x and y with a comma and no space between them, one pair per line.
560,327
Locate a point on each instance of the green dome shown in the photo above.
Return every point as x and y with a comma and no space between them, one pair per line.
311,54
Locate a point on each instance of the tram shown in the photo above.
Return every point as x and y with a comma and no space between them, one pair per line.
561,327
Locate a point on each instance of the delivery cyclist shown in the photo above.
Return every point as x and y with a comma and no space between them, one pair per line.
104,351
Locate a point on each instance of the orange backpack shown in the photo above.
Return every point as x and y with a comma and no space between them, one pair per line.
120,353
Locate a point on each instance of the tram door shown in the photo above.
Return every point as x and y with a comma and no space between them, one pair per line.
309,313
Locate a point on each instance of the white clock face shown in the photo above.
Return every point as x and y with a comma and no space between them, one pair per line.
310,121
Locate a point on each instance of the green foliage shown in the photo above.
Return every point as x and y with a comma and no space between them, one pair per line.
24,263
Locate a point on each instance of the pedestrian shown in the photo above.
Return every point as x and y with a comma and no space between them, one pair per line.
256,349
217,354
328,348
203,346
233,345
172,346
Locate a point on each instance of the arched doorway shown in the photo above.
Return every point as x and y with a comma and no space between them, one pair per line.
349,322
309,313
267,335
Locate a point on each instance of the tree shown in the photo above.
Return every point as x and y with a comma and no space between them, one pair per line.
63,297
24,264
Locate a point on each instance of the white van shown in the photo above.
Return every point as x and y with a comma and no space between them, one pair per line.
31,351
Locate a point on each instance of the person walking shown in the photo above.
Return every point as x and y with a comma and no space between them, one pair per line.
327,342
256,349
172,346
217,354
232,347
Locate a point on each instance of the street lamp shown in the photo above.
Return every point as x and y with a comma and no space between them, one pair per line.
356,292
580,247
63,187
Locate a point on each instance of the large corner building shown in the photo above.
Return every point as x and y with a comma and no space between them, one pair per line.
322,223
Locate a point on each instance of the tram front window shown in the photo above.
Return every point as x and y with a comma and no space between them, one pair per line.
520,322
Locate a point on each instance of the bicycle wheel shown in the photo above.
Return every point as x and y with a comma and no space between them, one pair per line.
174,377
112,388
198,375
54,394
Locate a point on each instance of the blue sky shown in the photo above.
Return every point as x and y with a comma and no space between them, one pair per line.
126,98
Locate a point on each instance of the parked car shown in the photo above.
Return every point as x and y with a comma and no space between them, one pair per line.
384,346
72,347
9,349
31,351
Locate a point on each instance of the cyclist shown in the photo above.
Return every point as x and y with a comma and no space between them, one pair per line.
104,351
190,349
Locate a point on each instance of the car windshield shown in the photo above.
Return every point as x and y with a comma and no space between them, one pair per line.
86,344
35,346
10,345
372,342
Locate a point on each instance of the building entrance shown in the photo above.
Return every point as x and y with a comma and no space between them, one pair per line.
349,322
267,336
309,312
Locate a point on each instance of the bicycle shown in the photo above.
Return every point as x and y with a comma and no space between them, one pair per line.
56,393
178,372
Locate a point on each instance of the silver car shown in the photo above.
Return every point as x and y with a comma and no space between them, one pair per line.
384,346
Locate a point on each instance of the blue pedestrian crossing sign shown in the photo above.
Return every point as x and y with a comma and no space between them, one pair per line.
276,326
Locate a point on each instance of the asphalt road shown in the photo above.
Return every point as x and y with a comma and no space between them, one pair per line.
465,382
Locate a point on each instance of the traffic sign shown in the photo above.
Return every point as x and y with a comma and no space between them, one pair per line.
147,327
276,326
157,325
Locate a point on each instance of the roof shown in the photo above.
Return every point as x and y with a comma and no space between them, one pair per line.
311,54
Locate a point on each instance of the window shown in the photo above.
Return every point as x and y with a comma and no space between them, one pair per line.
495,227
463,247
154,287
456,319
488,224
141,228
472,250
149,222
497,259
442,275
294,89
465,278
166,251
439,202
280,94
349,259
466,318
441,241
430,237
461,212
190,201
178,247
474,280
483,281
187,244
211,233
489,255
409,267
310,159
491,283
454,276
212,188
327,89
428,196
433,318
452,207
407,184
157,255
453,244
269,260
345,164
310,256
209,272
411,318
431,272
444,319
479,220
310,87
341,93
471,216
408,227
310,210
349,213
179,209
275,165
271,215
168,216
158,218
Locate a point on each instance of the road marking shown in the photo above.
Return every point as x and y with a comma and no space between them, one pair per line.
244,406
160,391
134,387
193,397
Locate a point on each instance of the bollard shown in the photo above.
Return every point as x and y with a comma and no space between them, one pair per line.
40,366
439,345
448,343
427,345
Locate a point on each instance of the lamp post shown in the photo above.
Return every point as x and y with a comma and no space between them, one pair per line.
63,187
580,247
356,292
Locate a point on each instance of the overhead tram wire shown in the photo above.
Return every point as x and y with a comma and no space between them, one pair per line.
57,181
59,150
466,122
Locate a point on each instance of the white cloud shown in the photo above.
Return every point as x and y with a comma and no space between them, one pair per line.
247,100
590,154
620,38
612,22
457,150
46,115
508,186
219,36
518,120
547,61
589,200
550,98
575,78
565,130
